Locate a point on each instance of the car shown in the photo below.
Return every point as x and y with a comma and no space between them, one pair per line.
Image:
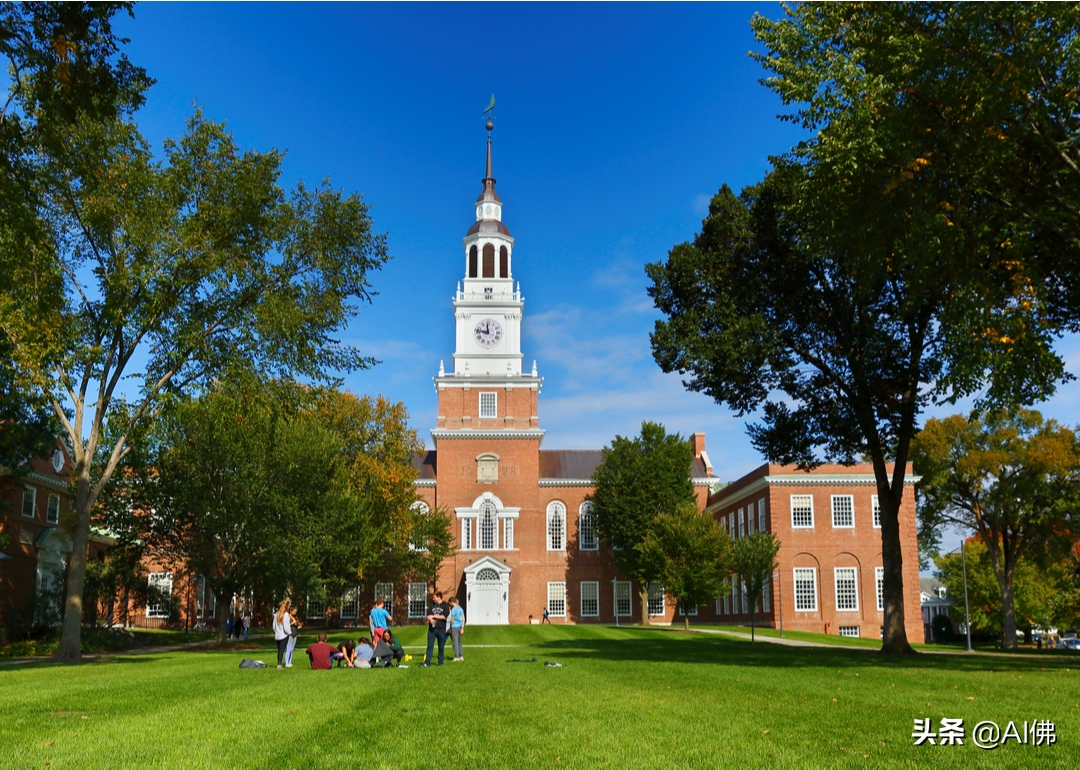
1071,643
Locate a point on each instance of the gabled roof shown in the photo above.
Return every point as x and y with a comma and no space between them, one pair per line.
424,464
569,463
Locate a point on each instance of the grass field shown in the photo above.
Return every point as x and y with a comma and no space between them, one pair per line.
623,698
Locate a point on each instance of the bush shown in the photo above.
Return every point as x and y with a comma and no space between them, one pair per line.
942,628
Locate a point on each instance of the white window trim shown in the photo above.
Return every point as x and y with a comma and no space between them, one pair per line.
875,511
409,608
33,502
879,587
350,603
848,629
731,525
493,510
616,584
761,515
795,587
596,588
585,511
766,593
49,518
466,535
802,526
745,598
556,598
167,579
507,534
854,571
381,593
742,524
663,600
494,414
558,508
851,499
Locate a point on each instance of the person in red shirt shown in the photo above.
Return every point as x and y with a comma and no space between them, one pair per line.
322,654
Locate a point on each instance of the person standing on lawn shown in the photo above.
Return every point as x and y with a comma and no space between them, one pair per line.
437,617
379,619
457,628
246,623
293,635
282,630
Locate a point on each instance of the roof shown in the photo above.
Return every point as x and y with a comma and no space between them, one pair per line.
930,585
569,463
424,464
487,226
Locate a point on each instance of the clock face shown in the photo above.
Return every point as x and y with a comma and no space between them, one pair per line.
487,332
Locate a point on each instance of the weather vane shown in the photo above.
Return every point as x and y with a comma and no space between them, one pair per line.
487,113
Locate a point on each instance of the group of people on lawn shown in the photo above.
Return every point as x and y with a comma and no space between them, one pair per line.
382,649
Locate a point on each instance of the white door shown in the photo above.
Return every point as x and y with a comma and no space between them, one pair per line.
484,605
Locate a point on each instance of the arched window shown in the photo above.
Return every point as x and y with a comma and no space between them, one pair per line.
488,527
487,574
472,262
417,542
489,260
504,262
556,526
587,540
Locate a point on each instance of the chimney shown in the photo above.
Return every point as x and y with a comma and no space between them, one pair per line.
697,442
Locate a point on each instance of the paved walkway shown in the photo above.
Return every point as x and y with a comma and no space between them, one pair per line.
138,650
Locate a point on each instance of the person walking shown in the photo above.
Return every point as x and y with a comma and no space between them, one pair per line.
282,630
293,636
437,617
246,622
457,628
545,619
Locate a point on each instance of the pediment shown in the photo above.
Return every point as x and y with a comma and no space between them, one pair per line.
488,562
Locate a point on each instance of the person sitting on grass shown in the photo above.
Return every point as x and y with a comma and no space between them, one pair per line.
347,649
364,652
322,655
389,650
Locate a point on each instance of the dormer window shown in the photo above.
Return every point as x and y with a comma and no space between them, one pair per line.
941,592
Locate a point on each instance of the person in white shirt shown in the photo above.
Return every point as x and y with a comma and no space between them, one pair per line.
283,630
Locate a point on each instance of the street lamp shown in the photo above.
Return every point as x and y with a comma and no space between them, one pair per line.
967,615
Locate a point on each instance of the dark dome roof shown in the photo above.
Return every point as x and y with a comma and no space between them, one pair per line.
487,226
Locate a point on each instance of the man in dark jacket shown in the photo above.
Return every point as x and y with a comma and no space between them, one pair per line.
437,617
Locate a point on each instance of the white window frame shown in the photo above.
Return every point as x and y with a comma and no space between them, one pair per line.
851,632
417,597
879,579
745,598
163,579
350,603
488,513
656,594
556,599
623,587
875,511
794,523
200,591
590,587
587,525
385,591
33,502
424,509
742,524
53,516
310,605
490,410
508,534
847,574
807,573
683,613
761,515
727,603
731,525
719,605
556,513
734,597
850,512
466,535
766,593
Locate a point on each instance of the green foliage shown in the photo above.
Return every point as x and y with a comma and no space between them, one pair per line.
1011,477
687,552
753,559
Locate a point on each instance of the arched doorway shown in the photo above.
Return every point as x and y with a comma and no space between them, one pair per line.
487,593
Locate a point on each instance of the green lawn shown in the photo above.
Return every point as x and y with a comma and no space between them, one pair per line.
623,698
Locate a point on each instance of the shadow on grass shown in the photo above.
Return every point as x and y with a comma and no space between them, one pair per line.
662,646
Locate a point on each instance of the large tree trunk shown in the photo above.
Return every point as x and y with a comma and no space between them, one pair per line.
644,596
1004,575
894,639
686,620
70,648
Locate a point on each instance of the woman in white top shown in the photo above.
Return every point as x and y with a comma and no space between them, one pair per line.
282,629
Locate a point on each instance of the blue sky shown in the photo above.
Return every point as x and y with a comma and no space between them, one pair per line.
616,124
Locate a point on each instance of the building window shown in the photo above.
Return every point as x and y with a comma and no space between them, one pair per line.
417,600
29,497
508,533
879,578
157,601
734,597
487,575
682,611
350,604
805,589
731,525
200,592
843,512
504,262
850,631
750,519
587,539
590,599
316,609
421,509
466,534
385,591
765,593
557,599
847,589
623,607
742,590
761,515
656,599
556,526
473,262
719,605
802,511
488,527
727,604
489,260
489,405
742,524
876,508
52,514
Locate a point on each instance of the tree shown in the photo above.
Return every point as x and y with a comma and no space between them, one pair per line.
637,480
195,262
1010,477
1039,592
28,426
753,559
687,550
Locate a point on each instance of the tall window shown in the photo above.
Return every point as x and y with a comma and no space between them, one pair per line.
350,604
29,497
875,506
417,600
742,524
466,534
200,595
623,607
719,605
802,511
157,601
761,515
488,526
683,612
556,526
489,260
805,589
316,608
418,543
587,539
385,591
766,591
847,589
508,533
750,519
656,599
52,514
504,262
489,405
879,578
734,597
727,604
590,599
731,525
742,590
557,599
473,262
843,512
